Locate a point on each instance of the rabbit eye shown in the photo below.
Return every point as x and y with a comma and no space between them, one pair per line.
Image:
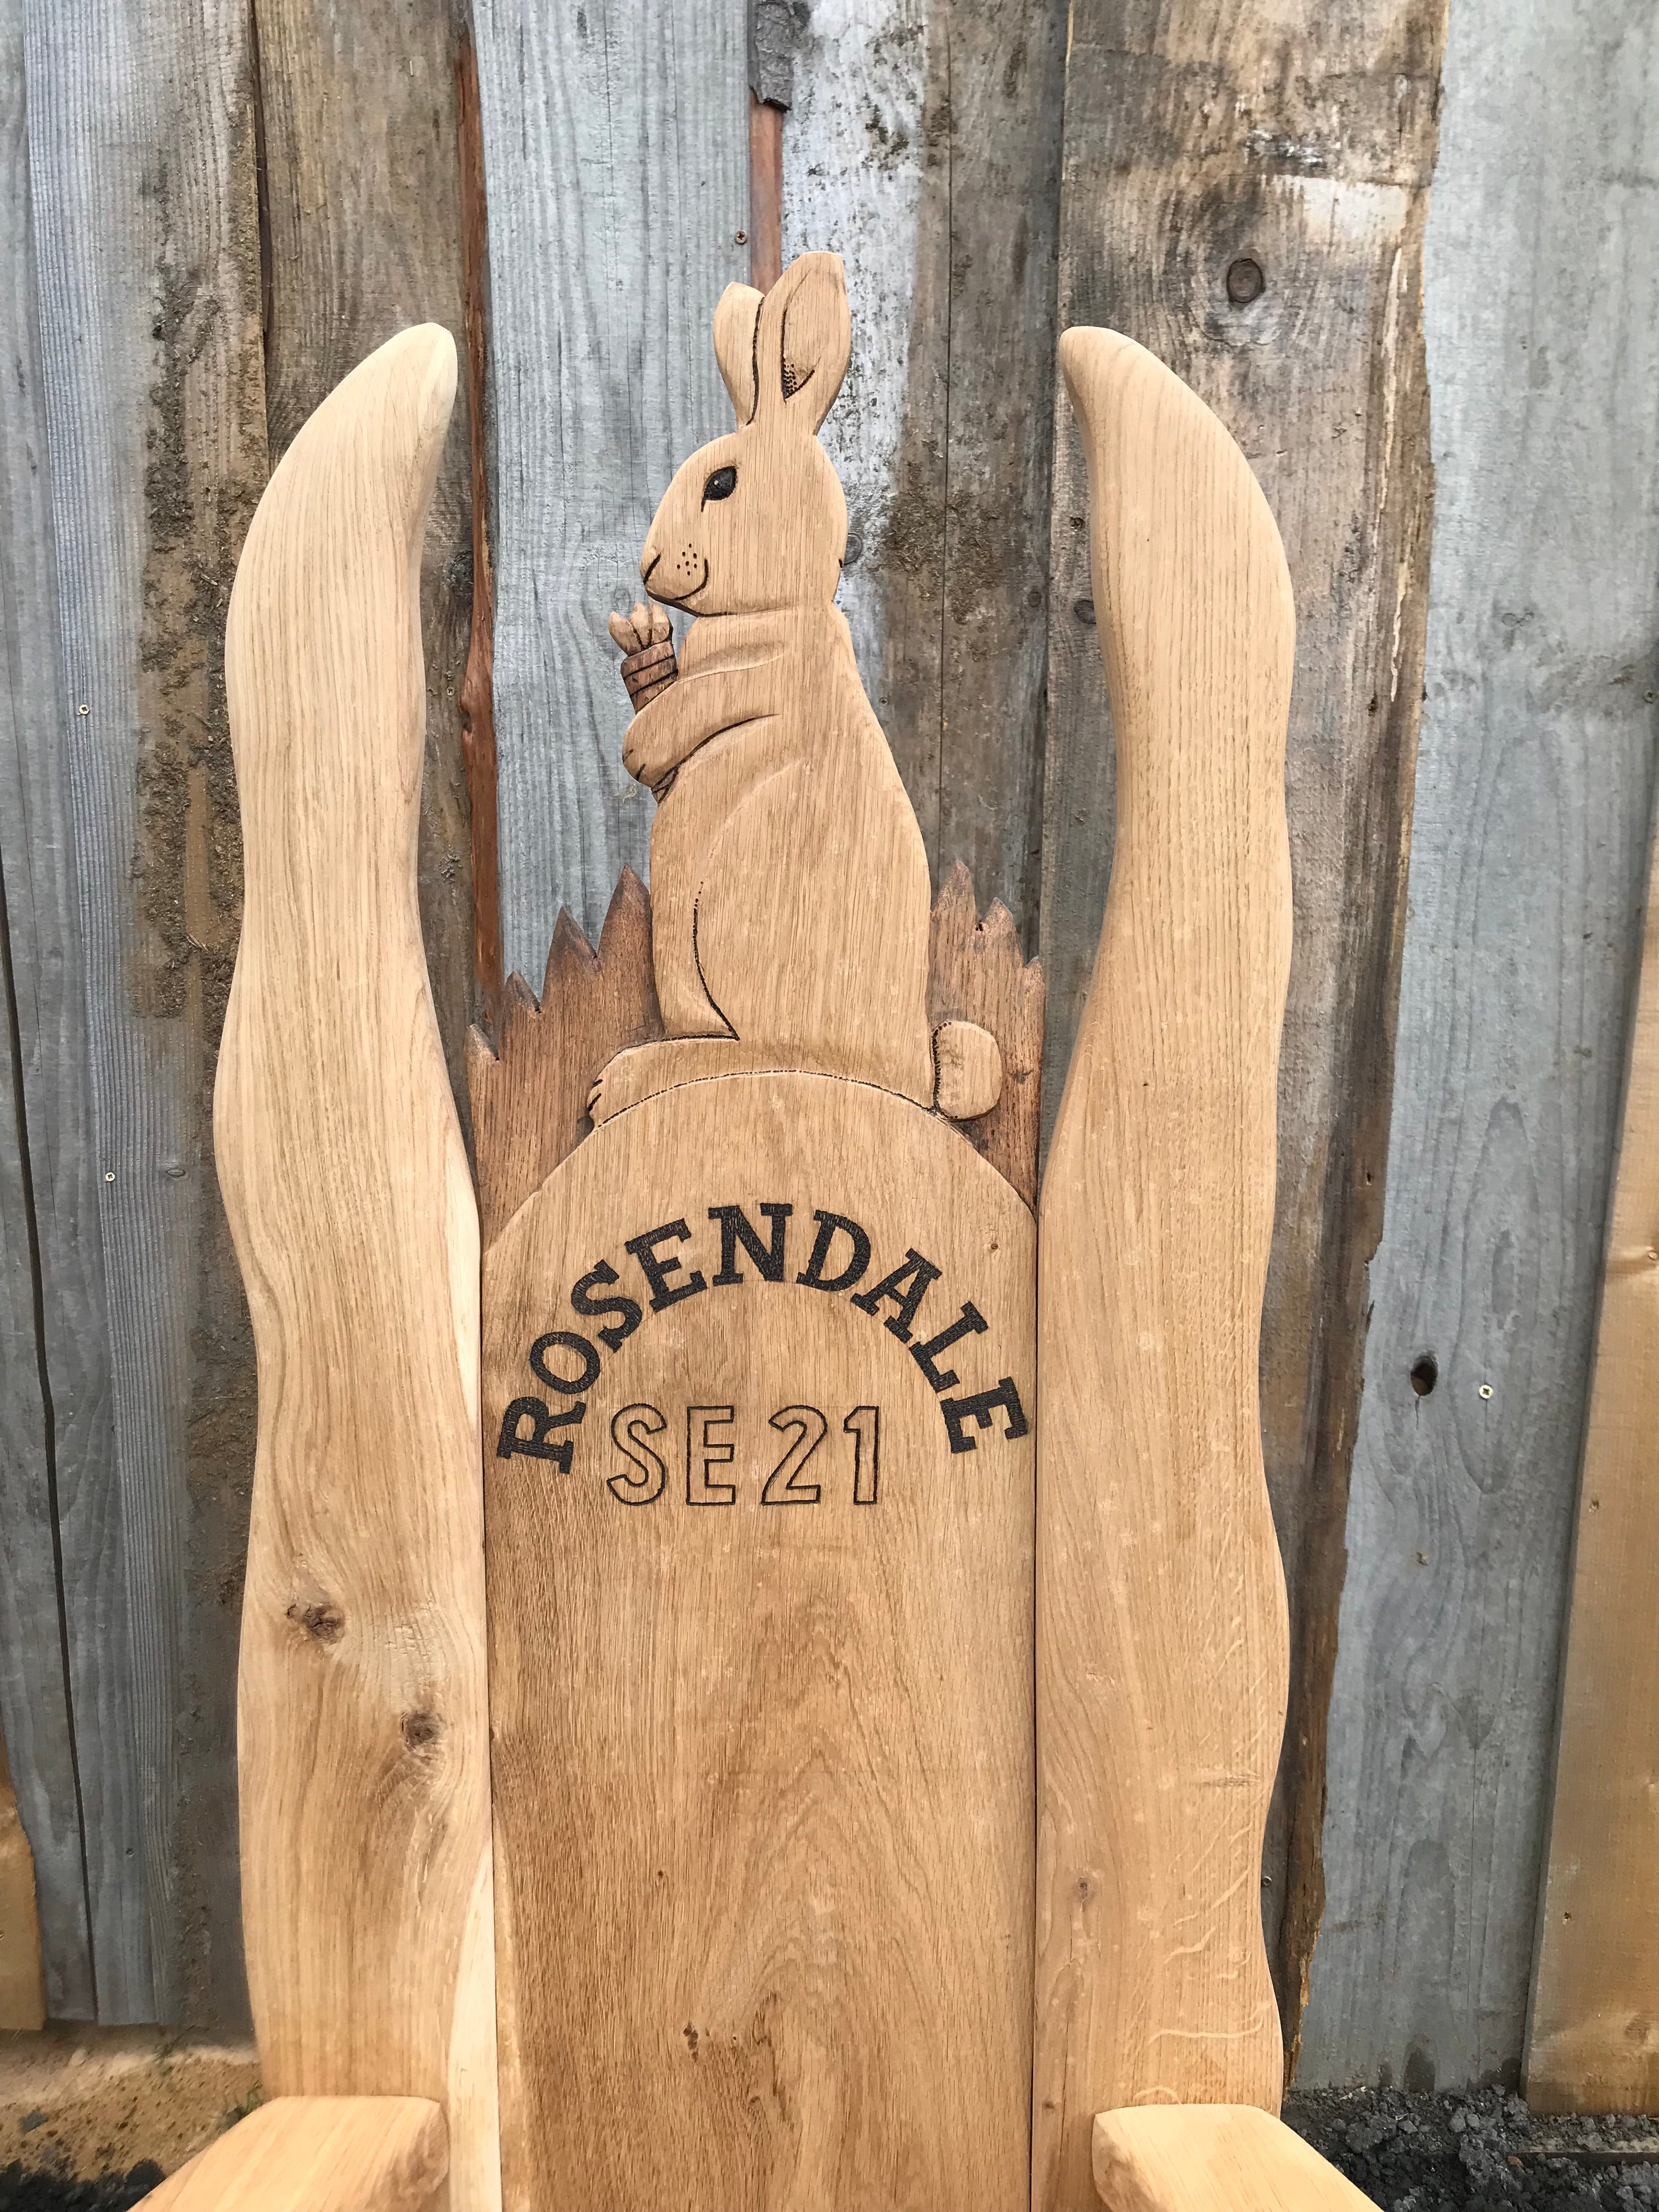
720,485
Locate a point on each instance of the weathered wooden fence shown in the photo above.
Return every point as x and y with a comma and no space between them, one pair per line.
210,212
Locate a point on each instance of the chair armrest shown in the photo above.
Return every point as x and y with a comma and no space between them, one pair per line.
1213,2158
317,2154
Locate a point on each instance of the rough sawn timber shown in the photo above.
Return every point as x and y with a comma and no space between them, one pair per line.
1529,855
59,1486
616,144
142,160
1161,1626
1592,2037
363,192
922,146
1300,138
362,1721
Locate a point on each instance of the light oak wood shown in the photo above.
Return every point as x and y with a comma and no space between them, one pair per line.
364,1738
1592,2035
790,889
967,1070
762,1770
1161,1626
1321,379
1213,2158
317,2154
529,1090
758,1359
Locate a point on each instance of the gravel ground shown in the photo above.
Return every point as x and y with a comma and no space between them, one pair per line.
1484,2153
1427,2153
20,2191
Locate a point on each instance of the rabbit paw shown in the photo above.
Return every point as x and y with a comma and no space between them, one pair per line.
657,774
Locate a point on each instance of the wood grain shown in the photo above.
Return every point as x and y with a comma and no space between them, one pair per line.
789,922
626,130
976,974
477,697
1591,2042
530,1088
317,2154
141,149
1300,141
1529,852
762,1768
1161,1625
360,113
922,146
362,1723
56,1439
1213,2158
765,193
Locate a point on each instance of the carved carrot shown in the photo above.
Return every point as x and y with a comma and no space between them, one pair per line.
649,666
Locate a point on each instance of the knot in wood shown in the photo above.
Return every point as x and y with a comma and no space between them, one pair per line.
422,1730
325,1621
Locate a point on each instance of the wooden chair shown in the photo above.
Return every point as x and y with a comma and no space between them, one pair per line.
885,1657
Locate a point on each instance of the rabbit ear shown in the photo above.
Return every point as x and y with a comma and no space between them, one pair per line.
734,345
804,340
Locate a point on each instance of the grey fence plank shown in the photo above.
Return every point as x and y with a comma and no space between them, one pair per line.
63,1642
1252,212
40,959
141,149
615,136
34,1699
363,187
1529,850
923,147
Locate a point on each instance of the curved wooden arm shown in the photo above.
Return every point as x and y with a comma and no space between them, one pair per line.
1161,1624
1214,2158
317,2154
362,1737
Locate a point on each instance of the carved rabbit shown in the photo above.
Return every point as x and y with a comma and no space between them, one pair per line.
790,894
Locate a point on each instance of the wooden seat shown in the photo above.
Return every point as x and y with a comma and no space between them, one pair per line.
874,1637
1213,2158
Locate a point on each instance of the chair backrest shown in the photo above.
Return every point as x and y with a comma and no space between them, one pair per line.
821,1726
